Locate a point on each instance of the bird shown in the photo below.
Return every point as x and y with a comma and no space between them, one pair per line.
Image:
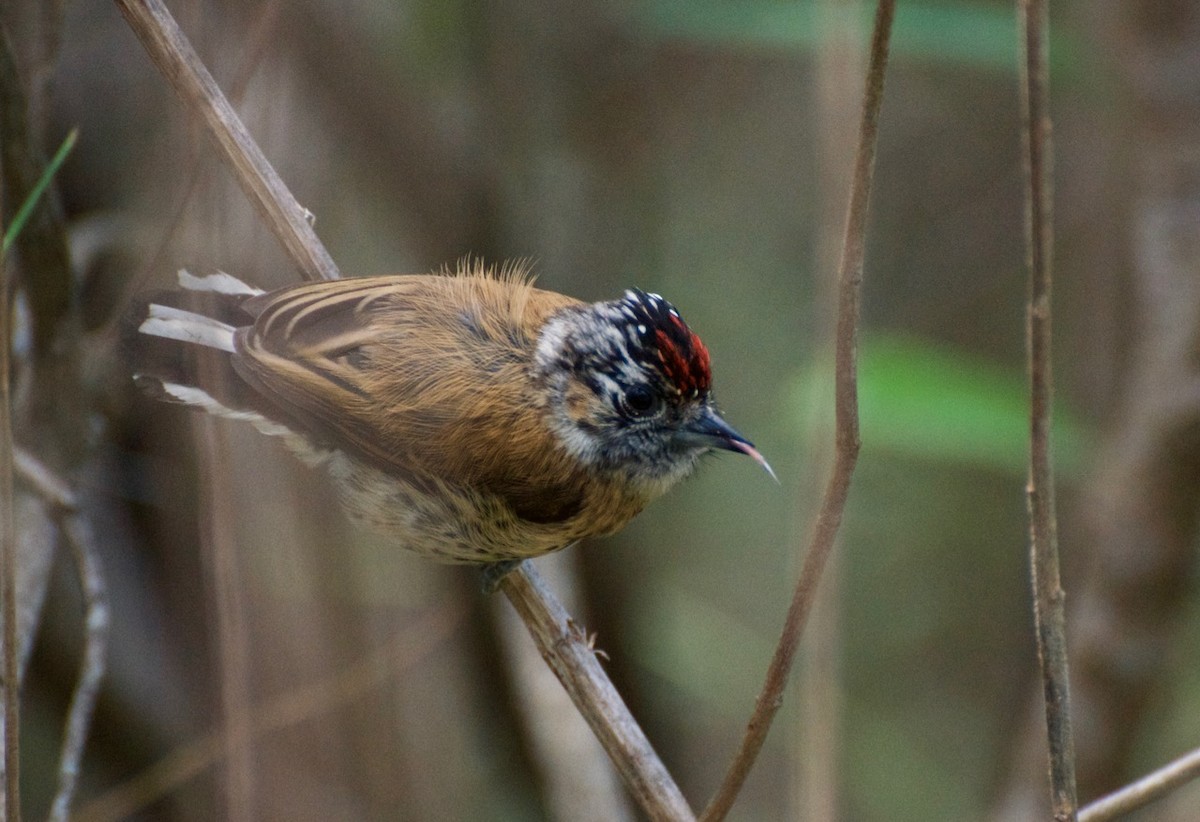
466,414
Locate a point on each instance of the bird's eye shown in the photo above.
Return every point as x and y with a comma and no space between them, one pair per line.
640,401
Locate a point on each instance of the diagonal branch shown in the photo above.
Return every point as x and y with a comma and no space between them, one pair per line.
566,648
833,504
562,645
1151,787
1049,608
178,62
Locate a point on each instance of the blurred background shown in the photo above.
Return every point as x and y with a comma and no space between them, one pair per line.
267,662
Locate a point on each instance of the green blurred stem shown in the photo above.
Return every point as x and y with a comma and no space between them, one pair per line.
39,188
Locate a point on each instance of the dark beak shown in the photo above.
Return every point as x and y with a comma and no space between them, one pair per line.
710,431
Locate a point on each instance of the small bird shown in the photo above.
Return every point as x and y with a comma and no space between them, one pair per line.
470,416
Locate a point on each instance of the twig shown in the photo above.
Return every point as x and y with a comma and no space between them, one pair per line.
583,678
833,504
287,710
578,782
8,566
60,498
565,647
1151,787
260,31
78,532
220,561
817,725
1049,609
178,62
10,721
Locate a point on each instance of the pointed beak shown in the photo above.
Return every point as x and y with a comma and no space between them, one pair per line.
709,430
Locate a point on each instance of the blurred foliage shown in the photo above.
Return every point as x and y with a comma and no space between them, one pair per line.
974,34
921,400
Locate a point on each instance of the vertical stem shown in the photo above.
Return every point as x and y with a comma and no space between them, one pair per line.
8,565
232,629
1048,594
838,79
837,490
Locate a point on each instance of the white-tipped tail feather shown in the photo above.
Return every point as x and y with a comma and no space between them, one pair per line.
187,326
199,398
220,282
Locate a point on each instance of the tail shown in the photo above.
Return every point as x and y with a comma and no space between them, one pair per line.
180,346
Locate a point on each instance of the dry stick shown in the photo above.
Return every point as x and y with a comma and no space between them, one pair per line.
566,649
61,499
8,568
220,561
258,38
176,59
1048,594
1151,787
641,768
576,776
833,504
82,542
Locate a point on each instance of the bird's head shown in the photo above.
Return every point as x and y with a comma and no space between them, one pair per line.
630,391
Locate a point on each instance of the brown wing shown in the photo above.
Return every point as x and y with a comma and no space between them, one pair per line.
418,375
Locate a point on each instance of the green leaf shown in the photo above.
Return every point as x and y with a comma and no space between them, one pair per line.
26,209
921,400
972,34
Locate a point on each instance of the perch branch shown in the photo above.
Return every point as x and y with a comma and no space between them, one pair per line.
178,62
581,675
833,504
1049,608
565,647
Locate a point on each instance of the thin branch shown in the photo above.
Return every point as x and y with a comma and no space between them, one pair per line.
78,532
178,62
1149,788
1049,608
565,648
220,561
61,499
8,566
833,504
577,778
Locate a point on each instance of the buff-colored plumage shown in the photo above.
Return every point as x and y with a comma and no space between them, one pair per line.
437,393
471,417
